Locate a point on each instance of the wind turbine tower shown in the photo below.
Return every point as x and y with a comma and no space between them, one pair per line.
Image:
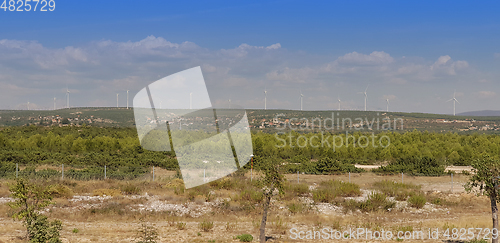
67,98
301,98
338,98
454,101
54,103
265,99
127,99
117,94
387,104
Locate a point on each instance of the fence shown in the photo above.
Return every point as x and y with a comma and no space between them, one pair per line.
78,173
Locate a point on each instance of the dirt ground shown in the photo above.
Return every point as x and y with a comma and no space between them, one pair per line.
464,211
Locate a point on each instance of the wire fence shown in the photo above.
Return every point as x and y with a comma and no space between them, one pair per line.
78,173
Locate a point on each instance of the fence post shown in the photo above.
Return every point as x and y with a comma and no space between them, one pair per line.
62,172
104,172
153,173
402,178
17,170
298,180
349,177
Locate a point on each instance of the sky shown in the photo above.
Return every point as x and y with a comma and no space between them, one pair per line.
416,54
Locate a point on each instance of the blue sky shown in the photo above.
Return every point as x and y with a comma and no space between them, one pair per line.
415,53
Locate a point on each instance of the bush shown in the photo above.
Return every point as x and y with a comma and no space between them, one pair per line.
206,225
417,201
329,190
146,233
400,191
296,207
29,200
418,166
375,202
181,226
224,183
60,191
327,165
296,189
252,195
130,189
245,237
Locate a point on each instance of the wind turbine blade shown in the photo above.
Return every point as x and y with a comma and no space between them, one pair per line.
457,101
366,88
449,100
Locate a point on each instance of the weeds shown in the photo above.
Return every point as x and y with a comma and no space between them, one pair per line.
206,225
400,191
375,202
329,190
417,201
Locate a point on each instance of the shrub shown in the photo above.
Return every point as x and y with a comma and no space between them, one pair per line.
224,183
375,202
206,225
75,231
417,201
400,191
174,183
181,226
146,233
29,200
296,207
60,191
296,189
252,195
418,166
130,189
245,237
329,190
327,165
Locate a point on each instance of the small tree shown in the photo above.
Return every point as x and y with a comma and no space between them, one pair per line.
29,199
146,233
273,184
484,181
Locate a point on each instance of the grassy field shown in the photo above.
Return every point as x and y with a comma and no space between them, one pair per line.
110,210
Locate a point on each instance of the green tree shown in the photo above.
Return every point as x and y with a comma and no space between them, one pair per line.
29,200
484,181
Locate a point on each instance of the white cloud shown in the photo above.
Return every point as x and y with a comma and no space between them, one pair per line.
485,94
375,58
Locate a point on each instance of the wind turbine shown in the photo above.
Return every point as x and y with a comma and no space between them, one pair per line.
28,105
301,98
387,104
117,94
54,103
67,98
454,100
229,107
366,96
265,99
127,99
338,98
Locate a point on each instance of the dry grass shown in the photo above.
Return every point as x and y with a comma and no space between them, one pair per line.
113,220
